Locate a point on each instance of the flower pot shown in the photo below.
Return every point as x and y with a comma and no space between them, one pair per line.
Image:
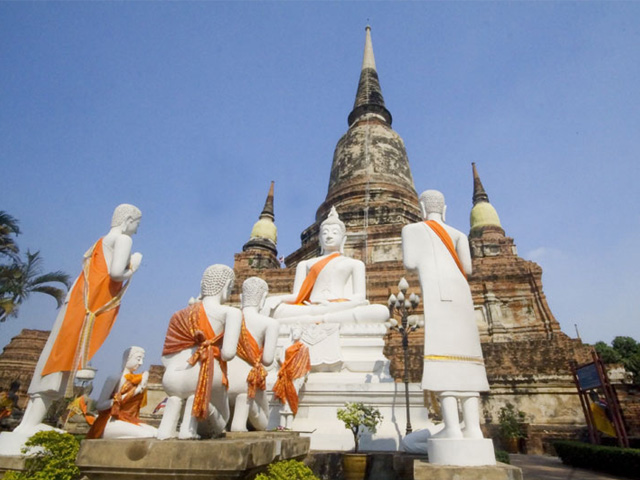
354,465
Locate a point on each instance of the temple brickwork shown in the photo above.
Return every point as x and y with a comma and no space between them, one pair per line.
18,360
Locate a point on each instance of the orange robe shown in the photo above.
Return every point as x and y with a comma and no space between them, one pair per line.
250,352
126,406
90,314
190,327
310,280
446,239
296,365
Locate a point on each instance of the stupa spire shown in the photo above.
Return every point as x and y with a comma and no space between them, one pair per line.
267,211
369,95
479,194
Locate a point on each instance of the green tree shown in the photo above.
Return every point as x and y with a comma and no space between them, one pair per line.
8,228
22,278
359,417
624,350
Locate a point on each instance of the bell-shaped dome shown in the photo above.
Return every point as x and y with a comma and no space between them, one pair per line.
265,229
483,215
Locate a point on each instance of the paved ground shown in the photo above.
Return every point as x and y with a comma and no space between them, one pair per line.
546,467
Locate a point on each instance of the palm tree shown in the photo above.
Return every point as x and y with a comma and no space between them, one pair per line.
21,279
8,227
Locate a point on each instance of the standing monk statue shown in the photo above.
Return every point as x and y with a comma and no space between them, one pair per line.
453,363
86,318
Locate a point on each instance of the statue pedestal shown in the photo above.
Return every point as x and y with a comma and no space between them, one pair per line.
466,452
360,375
235,456
423,470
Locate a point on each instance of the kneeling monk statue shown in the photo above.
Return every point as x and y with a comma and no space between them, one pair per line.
121,399
256,350
330,288
85,320
200,340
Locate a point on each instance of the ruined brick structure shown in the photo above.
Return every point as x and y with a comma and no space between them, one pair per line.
371,186
18,360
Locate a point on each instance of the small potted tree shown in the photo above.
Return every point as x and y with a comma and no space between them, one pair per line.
510,421
357,417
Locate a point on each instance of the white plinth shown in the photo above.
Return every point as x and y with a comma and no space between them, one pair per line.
12,443
464,452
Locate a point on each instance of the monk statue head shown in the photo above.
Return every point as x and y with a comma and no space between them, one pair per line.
132,358
333,233
254,292
126,217
432,201
296,333
217,280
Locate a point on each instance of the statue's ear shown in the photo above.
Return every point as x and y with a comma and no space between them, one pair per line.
444,214
241,301
262,300
423,210
344,241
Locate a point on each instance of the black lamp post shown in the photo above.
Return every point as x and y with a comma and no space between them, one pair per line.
401,306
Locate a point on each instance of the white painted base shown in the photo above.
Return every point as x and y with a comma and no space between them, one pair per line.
464,452
11,443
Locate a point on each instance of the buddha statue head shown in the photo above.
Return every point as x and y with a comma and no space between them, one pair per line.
254,292
333,233
432,201
132,358
217,280
127,217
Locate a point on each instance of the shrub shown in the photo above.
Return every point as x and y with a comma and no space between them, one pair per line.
53,459
502,456
614,460
357,416
287,470
510,422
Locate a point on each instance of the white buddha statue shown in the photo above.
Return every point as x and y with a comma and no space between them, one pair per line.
330,288
121,399
77,334
200,340
453,363
256,350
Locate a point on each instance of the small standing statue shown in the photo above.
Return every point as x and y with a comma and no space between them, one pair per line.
453,363
121,399
293,373
83,324
200,340
256,349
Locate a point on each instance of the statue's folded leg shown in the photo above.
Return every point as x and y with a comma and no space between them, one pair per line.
219,412
169,423
259,411
189,427
34,413
240,413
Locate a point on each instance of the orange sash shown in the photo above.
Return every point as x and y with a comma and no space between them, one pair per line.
250,352
91,312
310,280
446,239
126,406
190,327
296,365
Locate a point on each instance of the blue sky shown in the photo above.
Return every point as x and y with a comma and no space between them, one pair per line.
190,109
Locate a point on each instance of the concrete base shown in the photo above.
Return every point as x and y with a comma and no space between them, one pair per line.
11,462
464,452
428,471
238,457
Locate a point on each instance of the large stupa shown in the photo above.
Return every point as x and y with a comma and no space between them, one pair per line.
371,186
